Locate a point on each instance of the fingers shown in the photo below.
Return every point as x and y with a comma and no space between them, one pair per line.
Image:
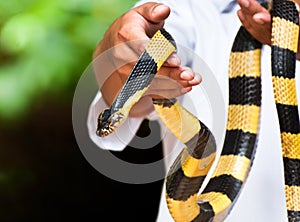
251,11
183,76
144,21
173,61
256,19
170,82
251,6
173,82
262,17
126,39
154,14
135,28
139,23
188,78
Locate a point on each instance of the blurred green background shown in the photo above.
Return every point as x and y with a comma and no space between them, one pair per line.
44,48
45,45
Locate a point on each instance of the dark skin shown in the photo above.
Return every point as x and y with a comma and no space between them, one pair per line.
257,20
173,79
141,23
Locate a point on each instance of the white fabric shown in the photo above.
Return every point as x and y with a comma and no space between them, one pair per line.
208,28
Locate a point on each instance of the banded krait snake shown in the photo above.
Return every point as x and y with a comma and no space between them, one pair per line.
189,170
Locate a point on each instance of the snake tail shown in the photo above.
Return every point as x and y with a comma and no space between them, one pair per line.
285,19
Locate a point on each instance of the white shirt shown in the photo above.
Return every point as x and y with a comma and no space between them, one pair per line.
208,28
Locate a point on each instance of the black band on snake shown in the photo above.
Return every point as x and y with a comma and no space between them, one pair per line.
189,170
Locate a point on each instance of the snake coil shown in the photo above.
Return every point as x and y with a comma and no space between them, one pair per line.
189,170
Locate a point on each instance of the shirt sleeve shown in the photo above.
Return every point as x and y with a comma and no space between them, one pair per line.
118,140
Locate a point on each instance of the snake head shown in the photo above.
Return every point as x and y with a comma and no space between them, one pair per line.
108,122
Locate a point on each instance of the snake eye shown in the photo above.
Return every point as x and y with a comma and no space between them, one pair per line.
105,115
103,123
108,122
103,118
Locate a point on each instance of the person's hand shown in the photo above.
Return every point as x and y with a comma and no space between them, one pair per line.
127,37
257,20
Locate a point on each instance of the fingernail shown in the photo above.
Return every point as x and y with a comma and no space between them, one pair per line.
245,3
174,60
186,74
159,8
257,18
197,79
184,90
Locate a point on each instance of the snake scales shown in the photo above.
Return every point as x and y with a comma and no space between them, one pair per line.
189,170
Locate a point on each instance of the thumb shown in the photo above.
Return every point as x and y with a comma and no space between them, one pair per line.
154,14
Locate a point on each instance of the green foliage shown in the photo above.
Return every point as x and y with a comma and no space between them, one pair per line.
46,45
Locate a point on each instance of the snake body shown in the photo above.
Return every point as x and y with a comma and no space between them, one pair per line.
237,154
157,51
285,31
190,168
